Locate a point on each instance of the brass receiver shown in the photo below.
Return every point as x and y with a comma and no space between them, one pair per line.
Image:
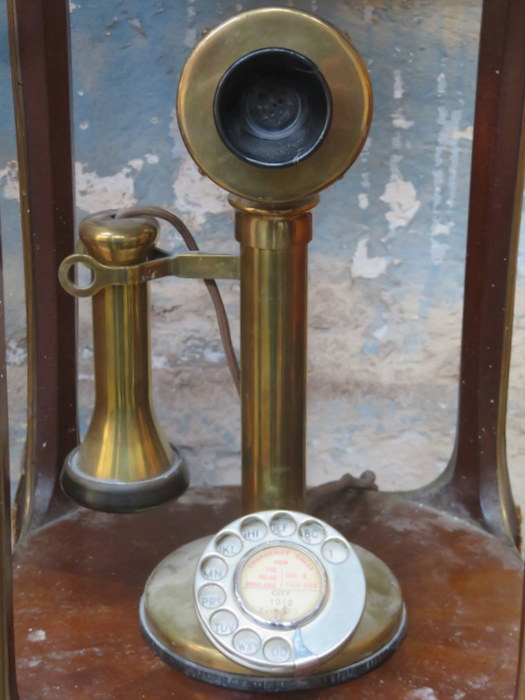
124,463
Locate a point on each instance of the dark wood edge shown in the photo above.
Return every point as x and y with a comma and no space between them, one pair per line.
39,35
476,482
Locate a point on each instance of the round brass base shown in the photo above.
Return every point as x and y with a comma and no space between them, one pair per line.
170,626
112,496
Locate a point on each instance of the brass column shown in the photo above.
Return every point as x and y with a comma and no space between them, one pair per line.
273,352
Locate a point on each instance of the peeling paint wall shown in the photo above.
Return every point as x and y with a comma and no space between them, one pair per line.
387,259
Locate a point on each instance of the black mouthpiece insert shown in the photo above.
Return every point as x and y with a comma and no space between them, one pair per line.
273,107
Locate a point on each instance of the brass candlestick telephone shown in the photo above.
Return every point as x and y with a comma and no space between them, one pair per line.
273,105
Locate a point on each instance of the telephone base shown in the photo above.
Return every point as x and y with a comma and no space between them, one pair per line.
171,628
114,496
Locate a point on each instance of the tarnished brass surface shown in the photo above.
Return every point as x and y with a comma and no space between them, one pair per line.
124,462
343,71
273,354
188,265
169,618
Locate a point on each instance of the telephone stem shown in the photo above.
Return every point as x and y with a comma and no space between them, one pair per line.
273,273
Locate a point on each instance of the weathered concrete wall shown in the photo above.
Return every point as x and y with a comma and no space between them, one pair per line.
387,259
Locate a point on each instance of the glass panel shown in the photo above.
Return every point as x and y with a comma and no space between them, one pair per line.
516,405
387,259
16,340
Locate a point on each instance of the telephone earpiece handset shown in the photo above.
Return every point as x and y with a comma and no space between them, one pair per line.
279,591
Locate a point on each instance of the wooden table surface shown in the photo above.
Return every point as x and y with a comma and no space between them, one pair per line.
78,582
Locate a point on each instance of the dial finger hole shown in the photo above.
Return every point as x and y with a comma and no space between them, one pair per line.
223,622
229,545
335,551
253,529
211,596
247,642
312,532
283,525
277,650
214,568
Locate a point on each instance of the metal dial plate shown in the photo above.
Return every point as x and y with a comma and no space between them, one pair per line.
278,591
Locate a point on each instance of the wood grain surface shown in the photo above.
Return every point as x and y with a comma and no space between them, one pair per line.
78,582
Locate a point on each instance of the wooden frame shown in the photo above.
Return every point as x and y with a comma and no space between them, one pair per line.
474,486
